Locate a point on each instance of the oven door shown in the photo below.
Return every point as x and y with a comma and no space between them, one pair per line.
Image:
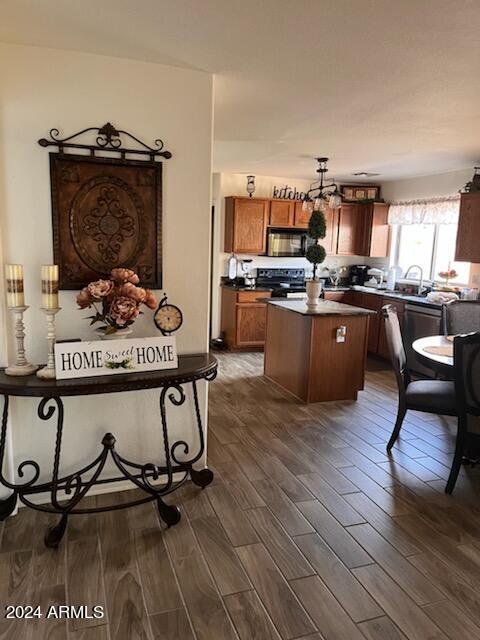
287,243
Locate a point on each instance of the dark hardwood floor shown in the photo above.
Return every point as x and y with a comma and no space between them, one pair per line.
309,531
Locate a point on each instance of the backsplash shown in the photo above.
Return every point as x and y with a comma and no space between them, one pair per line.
302,263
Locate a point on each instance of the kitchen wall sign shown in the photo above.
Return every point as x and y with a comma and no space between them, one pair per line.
106,211
287,193
99,358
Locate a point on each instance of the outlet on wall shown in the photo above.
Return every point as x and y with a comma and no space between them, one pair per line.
476,279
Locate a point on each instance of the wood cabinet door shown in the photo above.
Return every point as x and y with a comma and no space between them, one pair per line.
250,220
251,324
374,303
331,236
282,213
335,296
352,230
468,234
301,218
379,231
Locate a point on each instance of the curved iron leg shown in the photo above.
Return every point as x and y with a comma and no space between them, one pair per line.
201,478
168,513
55,534
7,506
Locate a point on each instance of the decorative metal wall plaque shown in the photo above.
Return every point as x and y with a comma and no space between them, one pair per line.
106,211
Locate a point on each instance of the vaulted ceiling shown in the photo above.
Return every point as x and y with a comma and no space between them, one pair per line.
385,86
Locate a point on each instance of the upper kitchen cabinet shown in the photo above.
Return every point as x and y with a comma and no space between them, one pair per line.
353,234
468,245
331,236
282,213
302,218
246,221
378,242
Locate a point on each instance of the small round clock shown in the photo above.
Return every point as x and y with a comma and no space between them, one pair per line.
168,318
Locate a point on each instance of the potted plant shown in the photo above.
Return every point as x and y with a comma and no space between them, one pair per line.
117,301
316,254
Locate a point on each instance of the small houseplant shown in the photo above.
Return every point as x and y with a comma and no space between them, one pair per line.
117,302
315,254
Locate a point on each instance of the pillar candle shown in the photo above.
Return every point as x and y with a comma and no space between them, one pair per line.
14,277
49,286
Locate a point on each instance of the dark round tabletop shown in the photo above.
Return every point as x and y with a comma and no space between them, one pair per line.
190,367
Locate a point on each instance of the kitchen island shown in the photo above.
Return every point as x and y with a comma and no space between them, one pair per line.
318,354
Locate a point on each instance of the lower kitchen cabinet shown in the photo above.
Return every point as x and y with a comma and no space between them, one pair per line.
377,339
335,296
243,323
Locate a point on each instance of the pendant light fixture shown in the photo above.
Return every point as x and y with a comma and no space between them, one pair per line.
320,193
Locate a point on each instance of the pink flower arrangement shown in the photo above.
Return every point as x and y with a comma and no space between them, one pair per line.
120,299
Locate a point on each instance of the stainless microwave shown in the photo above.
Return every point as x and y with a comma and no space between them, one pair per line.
287,243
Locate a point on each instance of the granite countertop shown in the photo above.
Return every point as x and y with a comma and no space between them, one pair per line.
242,287
324,308
398,296
420,300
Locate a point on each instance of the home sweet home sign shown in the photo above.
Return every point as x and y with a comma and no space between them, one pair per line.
104,357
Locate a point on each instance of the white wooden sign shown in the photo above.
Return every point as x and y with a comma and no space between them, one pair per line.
103,357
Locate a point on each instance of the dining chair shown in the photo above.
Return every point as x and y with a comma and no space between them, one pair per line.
466,354
430,396
461,316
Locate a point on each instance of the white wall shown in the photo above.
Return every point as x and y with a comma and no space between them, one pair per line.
224,185
433,186
41,89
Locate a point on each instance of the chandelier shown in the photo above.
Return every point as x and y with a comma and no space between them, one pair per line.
320,193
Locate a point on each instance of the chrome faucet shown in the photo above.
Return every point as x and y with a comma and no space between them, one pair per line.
420,285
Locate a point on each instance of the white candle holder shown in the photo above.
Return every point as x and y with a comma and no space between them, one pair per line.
22,366
48,372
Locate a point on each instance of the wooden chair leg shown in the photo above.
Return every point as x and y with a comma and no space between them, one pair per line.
456,464
402,410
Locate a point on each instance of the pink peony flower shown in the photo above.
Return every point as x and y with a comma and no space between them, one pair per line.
123,309
131,291
100,288
84,299
121,275
150,299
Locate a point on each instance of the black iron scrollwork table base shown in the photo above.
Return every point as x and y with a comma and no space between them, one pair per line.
156,481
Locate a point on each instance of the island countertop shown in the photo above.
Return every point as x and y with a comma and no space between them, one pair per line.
324,308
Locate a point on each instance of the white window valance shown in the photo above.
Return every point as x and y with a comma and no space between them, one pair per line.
432,211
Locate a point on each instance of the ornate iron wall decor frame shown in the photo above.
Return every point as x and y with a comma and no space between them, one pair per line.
106,211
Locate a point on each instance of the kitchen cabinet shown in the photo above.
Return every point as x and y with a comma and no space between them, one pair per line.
243,321
468,246
375,303
352,237
251,323
246,221
378,240
356,229
335,296
282,213
331,236
377,339
301,218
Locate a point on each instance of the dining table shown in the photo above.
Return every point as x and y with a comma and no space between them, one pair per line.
436,352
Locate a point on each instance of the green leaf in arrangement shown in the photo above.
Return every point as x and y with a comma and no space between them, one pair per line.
317,226
316,254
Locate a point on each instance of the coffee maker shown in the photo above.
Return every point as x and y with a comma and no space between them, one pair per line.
358,274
